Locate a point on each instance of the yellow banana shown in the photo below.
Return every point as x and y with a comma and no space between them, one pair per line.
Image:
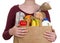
33,23
37,22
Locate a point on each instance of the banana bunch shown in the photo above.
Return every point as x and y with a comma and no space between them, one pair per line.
36,22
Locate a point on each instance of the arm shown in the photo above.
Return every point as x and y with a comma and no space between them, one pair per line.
10,23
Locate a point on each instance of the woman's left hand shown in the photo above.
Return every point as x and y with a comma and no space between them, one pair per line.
50,36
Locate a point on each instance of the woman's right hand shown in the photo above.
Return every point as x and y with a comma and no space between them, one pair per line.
18,31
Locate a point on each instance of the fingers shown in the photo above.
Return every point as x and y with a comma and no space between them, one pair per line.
48,33
21,34
22,31
51,39
19,28
50,36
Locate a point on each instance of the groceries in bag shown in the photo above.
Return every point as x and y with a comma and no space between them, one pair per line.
46,22
28,19
45,6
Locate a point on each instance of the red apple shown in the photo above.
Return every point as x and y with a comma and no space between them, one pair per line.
23,23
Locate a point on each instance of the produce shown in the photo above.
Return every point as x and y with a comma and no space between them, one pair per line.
28,19
33,23
27,16
38,22
23,23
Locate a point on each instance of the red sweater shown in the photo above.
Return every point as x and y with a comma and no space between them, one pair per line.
11,20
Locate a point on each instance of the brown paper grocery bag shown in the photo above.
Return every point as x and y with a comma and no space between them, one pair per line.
35,35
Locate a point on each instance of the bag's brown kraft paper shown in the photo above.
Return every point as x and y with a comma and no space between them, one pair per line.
35,35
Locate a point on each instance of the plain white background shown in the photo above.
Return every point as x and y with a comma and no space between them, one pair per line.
5,6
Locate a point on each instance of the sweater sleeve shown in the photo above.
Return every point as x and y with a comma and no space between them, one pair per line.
10,23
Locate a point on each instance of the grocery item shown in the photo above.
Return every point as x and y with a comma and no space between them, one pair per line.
38,22
28,19
22,15
23,23
45,6
27,16
33,22
46,22
19,16
39,15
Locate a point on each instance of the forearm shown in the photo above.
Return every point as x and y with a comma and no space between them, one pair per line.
6,35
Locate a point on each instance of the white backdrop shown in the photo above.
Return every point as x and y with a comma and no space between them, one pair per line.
5,6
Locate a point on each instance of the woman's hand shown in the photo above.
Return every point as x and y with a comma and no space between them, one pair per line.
50,36
18,31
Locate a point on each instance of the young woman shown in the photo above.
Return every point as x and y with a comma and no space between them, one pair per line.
29,7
